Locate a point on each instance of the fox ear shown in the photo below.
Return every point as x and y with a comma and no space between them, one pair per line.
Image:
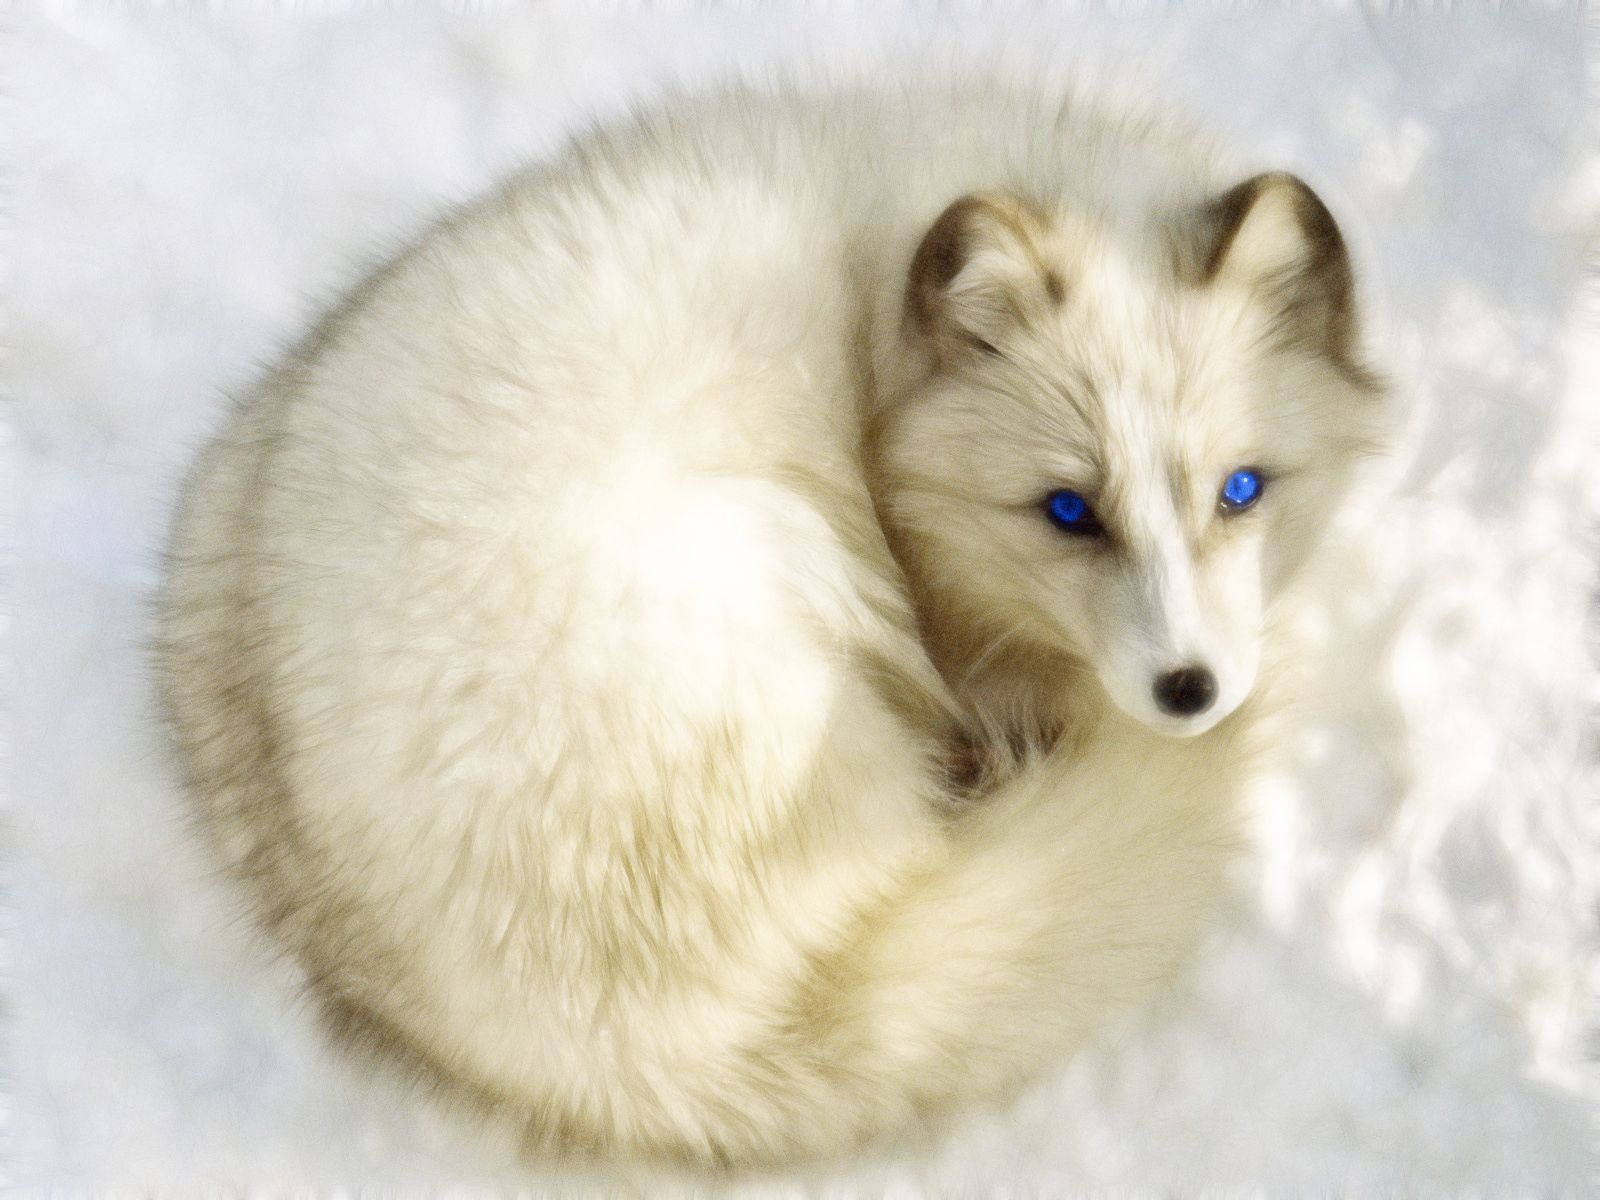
979,271
1273,236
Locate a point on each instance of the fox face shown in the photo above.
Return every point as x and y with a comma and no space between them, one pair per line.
1124,441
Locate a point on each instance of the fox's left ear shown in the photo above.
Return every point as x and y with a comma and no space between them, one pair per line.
981,270
1273,236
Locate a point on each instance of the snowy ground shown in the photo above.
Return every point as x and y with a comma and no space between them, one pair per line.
1407,997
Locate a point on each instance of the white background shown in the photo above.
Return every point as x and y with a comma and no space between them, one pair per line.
1406,998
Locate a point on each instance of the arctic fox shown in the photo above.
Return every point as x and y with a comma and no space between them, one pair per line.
688,656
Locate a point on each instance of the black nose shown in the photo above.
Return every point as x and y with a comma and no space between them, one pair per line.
1186,691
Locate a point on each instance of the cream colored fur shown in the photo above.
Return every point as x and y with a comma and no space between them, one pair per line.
585,644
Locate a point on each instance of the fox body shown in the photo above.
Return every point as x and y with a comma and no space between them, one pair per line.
637,652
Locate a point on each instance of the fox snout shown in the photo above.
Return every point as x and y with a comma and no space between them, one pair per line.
1187,691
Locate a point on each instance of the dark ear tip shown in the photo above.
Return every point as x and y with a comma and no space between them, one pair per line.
1315,217
1312,287
1226,214
1285,181
999,220
939,258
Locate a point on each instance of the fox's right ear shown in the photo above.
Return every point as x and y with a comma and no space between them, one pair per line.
980,271
1272,236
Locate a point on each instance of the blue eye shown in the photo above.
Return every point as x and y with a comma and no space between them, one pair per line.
1071,512
1240,490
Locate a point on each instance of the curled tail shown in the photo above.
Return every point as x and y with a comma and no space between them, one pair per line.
1059,902
1065,897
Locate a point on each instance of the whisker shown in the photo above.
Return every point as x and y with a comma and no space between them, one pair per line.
988,653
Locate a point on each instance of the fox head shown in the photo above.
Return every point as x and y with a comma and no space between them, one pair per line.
1119,443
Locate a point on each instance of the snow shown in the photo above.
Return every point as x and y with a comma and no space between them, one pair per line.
1405,998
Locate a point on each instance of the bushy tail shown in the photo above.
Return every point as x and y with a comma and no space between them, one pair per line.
1064,897
1061,900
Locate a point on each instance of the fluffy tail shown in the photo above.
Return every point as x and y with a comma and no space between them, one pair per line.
1073,892
1063,898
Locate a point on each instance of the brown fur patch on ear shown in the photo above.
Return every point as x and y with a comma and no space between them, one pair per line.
1274,234
1011,231
938,259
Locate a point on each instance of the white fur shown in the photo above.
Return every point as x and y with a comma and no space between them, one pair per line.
569,643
